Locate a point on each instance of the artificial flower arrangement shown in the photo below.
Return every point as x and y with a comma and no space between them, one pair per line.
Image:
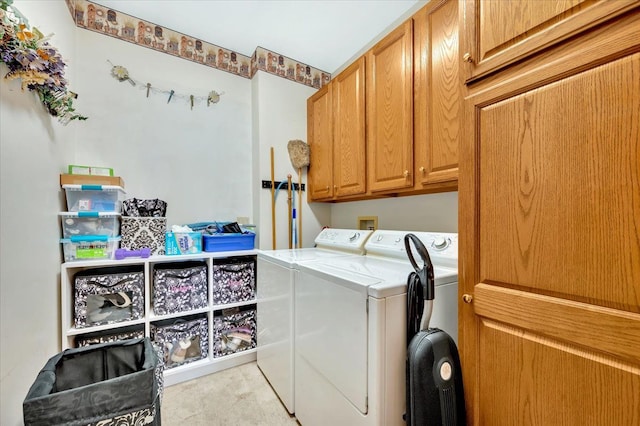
29,57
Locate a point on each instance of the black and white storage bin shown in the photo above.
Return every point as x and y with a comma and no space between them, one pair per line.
234,279
179,287
143,232
106,336
116,383
182,340
234,330
108,295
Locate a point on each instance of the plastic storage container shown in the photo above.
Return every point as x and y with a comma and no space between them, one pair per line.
101,198
228,242
90,223
88,247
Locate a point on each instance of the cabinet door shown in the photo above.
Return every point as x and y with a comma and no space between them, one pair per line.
320,140
500,32
349,131
550,237
438,93
390,111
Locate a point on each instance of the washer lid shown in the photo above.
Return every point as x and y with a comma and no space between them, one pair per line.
391,274
289,258
352,280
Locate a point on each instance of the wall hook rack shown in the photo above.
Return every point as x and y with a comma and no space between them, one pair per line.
266,184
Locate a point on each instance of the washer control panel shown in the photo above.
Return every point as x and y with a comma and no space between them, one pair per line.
391,244
352,240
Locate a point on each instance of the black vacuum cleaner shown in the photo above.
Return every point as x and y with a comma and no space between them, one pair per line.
435,395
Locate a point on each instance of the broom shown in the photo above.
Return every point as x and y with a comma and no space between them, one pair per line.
299,155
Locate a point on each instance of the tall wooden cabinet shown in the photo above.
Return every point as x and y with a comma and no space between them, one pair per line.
438,95
390,111
550,219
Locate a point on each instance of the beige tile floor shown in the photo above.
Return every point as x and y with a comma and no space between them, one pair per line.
235,397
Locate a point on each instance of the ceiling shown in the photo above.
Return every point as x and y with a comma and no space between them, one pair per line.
324,34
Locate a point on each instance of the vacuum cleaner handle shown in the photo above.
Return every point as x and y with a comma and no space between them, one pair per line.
425,273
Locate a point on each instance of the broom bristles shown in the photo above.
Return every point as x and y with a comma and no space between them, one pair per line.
298,153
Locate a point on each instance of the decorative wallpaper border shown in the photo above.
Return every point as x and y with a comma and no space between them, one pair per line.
94,17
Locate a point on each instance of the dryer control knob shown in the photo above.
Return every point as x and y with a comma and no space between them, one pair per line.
440,243
353,236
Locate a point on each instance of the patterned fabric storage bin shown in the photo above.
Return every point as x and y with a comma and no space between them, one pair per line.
182,340
124,333
234,330
110,384
143,232
179,287
234,279
108,295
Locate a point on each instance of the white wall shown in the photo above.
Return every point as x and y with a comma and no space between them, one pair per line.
33,149
199,160
280,115
432,212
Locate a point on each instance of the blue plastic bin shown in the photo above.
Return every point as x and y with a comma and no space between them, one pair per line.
229,242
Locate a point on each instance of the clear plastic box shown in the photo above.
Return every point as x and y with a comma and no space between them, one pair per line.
88,247
100,198
90,223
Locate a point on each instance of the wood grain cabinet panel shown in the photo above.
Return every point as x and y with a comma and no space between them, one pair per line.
390,111
320,141
438,94
349,172
549,230
500,32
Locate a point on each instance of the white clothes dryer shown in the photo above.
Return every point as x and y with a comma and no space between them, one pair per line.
350,329
276,273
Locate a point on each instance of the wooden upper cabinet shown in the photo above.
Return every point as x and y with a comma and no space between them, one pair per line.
438,94
349,169
320,140
390,111
500,32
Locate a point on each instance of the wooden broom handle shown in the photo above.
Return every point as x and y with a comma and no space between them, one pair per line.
273,204
299,207
290,210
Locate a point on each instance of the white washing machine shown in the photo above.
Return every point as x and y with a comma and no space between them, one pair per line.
276,273
350,329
